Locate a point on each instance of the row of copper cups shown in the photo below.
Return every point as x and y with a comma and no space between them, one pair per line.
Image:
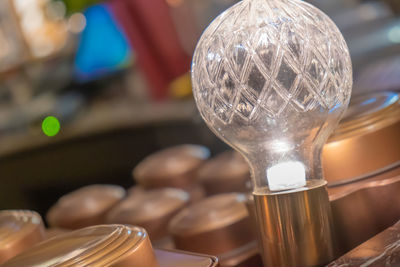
172,205
189,202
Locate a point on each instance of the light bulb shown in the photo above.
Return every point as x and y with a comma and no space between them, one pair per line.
272,79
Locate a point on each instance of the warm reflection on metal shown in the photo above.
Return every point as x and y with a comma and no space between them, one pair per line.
101,245
296,227
381,250
366,142
19,230
363,209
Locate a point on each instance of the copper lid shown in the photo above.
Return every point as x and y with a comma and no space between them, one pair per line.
150,209
101,245
19,230
170,167
84,207
213,226
367,140
227,172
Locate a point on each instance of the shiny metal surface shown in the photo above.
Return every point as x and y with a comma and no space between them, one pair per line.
151,210
218,225
363,209
171,167
367,141
381,250
84,207
226,172
170,258
295,228
19,230
52,232
102,245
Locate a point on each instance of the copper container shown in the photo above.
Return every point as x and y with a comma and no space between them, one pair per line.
227,172
219,225
105,245
381,250
171,167
19,230
363,209
367,141
151,210
84,207
102,245
360,209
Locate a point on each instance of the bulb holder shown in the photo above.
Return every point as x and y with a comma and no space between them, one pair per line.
296,227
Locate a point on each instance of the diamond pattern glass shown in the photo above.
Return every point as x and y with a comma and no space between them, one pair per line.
268,70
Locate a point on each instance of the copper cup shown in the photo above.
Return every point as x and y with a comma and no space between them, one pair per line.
151,210
172,167
84,207
19,230
367,142
218,225
227,172
106,245
102,245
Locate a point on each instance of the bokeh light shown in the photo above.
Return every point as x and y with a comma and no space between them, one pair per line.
51,126
77,23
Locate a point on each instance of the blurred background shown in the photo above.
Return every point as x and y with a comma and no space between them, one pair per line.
116,75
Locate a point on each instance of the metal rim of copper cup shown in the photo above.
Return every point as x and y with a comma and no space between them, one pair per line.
84,207
215,225
366,144
226,172
171,167
101,245
151,210
19,230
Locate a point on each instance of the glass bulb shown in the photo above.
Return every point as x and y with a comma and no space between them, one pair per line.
272,78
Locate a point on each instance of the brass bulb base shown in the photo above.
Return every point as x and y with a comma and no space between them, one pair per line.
296,227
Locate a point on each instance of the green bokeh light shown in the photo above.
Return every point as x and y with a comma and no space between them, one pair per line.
50,126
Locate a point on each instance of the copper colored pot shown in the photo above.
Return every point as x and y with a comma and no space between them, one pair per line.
171,167
106,245
227,172
367,141
19,230
84,207
218,225
151,210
